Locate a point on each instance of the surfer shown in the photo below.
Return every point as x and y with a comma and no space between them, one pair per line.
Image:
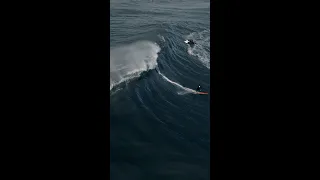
190,42
198,88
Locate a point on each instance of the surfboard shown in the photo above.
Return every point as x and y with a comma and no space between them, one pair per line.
202,93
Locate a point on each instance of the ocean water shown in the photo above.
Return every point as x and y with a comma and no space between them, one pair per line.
159,128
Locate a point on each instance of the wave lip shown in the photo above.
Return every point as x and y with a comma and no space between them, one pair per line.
129,61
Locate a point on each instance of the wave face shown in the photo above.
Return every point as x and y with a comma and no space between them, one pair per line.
159,127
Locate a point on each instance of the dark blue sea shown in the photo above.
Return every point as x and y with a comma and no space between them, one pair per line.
159,127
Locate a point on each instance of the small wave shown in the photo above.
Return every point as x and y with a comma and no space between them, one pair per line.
202,48
129,61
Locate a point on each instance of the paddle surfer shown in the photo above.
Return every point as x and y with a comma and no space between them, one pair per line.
190,42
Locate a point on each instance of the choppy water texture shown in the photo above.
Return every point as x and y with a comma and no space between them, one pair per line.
159,129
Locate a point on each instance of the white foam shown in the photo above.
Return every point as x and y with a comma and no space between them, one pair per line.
129,61
202,47
161,38
183,90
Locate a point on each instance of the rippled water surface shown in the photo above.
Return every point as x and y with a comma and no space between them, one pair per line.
159,129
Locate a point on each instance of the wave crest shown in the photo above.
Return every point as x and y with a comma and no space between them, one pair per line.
129,61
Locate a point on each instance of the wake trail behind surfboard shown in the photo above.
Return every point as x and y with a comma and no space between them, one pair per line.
184,91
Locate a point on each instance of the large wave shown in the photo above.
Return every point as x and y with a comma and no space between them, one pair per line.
129,61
